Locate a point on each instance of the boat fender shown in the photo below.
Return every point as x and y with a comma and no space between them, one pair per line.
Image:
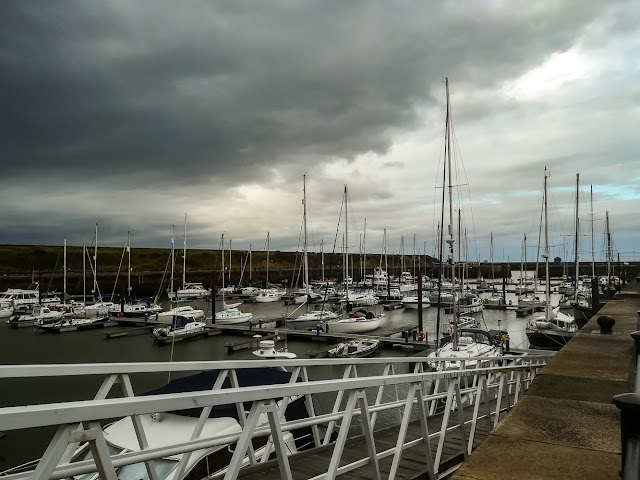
242,310
421,336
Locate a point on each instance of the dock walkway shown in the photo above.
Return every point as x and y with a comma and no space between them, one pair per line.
567,427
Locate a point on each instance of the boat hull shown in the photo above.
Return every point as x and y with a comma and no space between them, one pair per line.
551,339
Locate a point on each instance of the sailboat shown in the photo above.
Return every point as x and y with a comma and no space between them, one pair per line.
189,291
464,343
268,295
186,311
352,322
320,312
230,314
553,329
141,308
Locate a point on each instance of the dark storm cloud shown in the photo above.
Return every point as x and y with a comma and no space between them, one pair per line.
119,99
174,91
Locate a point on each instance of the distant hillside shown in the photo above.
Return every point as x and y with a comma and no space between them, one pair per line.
22,259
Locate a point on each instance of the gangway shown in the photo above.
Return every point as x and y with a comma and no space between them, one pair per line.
367,395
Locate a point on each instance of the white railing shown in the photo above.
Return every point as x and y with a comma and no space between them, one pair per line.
367,389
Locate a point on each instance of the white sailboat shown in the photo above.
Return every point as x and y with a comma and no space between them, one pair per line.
189,291
230,314
465,343
553,329
268,295
354,322
319,313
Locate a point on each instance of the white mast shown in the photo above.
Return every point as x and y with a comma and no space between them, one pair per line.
184,255
491,257
222,246
593,253
364,249
229,261
609,254
577,254
251,265
451,239
64,271
95,264
129,270
173,260
322,258
266,285
84,270
545,255
346,241
304,246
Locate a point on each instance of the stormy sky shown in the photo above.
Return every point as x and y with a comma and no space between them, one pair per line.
131,114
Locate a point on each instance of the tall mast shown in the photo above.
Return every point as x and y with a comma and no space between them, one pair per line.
64,271
184,255
525,263
545,255
364,249
95,264
608,235
491,257
451,239
173,260
251,267
84,270
322,258
268,246
577,256
593,253
229,261
346,240
129,270
222,246
414,256
386,259
304,245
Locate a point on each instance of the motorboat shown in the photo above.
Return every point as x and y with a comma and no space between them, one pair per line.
411,302
355,348
470,303
267,349
40,313
21,297
6,309
551,331
163,429
180,327
191,291
135,310
232,315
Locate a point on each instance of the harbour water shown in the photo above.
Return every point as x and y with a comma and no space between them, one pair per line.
24,346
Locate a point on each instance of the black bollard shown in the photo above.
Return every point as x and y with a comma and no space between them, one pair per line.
414,335
629,405
606,323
